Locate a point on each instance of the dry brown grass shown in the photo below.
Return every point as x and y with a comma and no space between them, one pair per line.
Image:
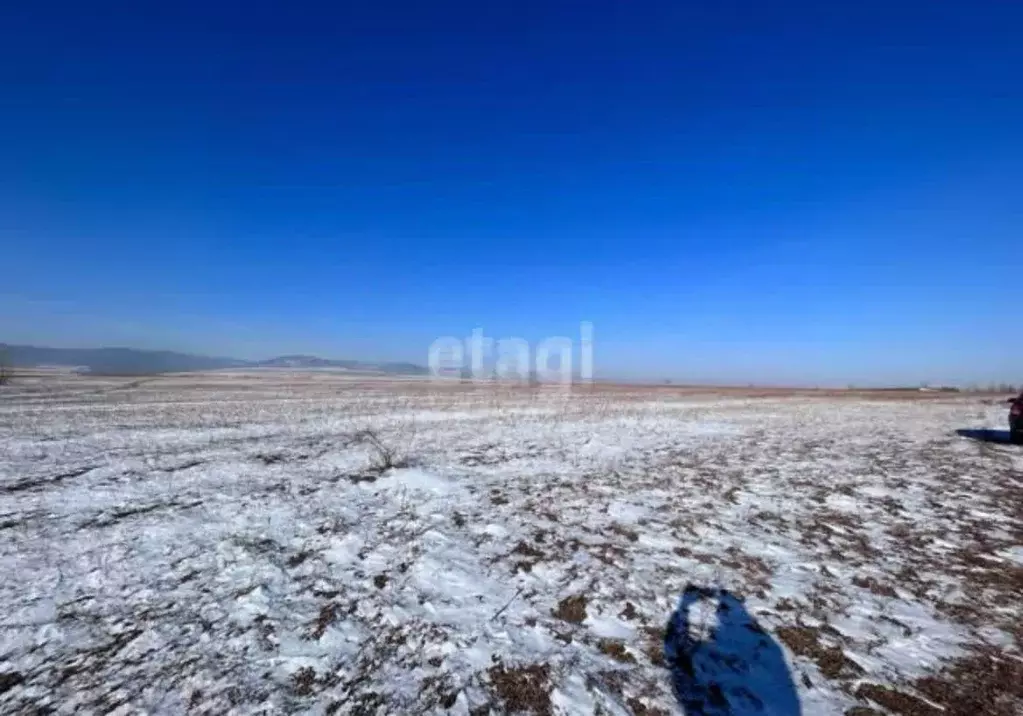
572,609
523,689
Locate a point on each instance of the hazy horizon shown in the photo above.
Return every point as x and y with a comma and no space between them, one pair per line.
599,373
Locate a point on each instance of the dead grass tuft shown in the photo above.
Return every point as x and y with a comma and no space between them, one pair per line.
303,681
805,641
653,646
526,688
626,532
616,650
327,616
641,709
987,683
876,587
572,609
898,702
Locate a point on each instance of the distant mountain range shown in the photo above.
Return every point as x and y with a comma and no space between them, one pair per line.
301,361
130,361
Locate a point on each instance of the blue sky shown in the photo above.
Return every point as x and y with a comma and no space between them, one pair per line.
731,191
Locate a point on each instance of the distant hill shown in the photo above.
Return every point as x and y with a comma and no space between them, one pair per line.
296,362
120,361
131,361
303,361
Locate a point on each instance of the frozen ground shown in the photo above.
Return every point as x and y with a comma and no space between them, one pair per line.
288,543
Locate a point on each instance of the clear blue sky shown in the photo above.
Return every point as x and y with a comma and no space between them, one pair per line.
744,191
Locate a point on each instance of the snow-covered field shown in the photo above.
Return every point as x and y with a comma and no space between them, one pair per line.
294,543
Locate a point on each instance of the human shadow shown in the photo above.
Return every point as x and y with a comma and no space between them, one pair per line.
987,436
737,669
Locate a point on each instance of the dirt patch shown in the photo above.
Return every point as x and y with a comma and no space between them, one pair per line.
786,605
531,555
607,553
31,484
878,588
303,682
899,702
653,645
368,477
986,683
616,650
572,609
805,641
527,550
802,641
327,616
9,680
439,690
627,533
298,558
526,688
641,709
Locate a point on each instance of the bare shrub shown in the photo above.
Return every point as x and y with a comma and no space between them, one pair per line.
385,456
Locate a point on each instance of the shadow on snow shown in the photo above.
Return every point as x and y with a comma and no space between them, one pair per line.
734,669
987,436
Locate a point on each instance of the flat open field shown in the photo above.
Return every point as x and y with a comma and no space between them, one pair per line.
285,543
